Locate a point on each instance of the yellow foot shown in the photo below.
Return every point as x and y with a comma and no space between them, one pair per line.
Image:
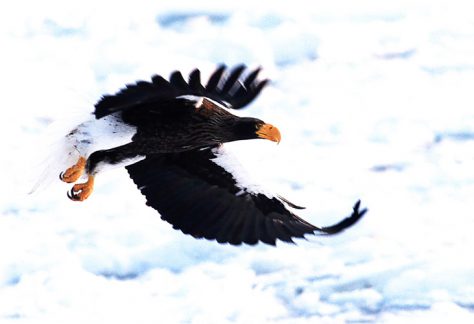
73,173
81,191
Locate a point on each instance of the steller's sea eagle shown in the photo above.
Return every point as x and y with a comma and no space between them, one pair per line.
169,135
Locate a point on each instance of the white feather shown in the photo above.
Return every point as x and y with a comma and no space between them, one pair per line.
228,161
81,140
100,134
196,99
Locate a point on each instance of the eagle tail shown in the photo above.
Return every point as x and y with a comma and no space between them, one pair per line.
59,154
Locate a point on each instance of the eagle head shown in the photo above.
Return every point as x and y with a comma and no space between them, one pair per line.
251,128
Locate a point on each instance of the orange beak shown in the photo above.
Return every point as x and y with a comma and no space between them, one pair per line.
269,132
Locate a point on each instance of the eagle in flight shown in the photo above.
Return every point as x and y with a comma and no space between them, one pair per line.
169,135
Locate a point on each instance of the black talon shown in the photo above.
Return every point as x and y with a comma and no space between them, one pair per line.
71,195
61,176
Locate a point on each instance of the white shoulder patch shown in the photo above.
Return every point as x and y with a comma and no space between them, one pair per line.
243,181
197,100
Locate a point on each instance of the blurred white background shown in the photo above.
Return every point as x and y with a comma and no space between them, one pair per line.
374,100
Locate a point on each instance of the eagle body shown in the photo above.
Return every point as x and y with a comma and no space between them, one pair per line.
170,135
198,122
123,136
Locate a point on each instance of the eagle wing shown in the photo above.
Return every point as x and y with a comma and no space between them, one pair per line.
200,193
233,88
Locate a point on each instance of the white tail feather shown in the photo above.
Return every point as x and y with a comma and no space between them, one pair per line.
79,140
57,154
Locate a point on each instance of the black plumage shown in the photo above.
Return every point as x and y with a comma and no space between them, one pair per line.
178,115
160,91
184,172
199,197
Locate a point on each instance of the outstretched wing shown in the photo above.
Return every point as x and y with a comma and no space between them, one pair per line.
233,88
200,193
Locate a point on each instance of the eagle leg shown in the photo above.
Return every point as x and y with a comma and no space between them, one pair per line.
81,191
73,173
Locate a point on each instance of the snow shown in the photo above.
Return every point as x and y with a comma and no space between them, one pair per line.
374,101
